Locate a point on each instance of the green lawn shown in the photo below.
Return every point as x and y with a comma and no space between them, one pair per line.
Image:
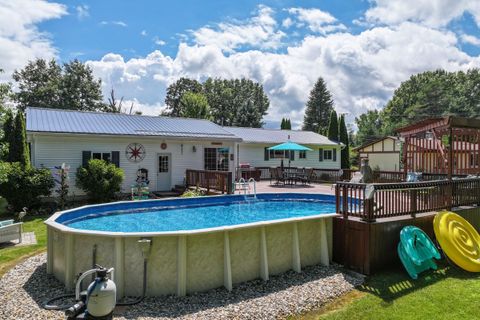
12,255
448,293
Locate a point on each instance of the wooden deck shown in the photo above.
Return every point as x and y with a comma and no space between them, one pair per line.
265,187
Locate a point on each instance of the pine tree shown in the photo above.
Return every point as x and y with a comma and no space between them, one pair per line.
318,108
288,124
8,133
333,126
18,149
343,135
282,124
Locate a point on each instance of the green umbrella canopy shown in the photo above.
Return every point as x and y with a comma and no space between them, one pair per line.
289,146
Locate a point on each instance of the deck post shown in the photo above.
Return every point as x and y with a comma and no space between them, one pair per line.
230,183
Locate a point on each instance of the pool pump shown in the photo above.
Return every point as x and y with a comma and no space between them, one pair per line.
98,302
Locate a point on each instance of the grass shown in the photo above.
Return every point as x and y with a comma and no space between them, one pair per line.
10,256
449,293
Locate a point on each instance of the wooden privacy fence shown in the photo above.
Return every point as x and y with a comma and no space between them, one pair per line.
210,180
405,198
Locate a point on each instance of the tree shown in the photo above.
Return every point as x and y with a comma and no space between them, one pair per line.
48,85
425,95
175,91
8,133
194,105
343,136
234,102
18,148
369,127
318,108
333,126
79,89
116,106
286,124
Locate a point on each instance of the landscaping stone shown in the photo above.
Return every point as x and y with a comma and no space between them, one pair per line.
27,286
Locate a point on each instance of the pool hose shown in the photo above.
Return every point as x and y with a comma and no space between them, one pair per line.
144,290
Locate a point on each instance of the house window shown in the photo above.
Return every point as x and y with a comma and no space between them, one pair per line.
278,154
216,159
163,164
327,154
302,154
106,156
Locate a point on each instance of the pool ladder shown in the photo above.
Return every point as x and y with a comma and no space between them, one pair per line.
245,187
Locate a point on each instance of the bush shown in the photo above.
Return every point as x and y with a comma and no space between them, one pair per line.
193,193
100,180
23,186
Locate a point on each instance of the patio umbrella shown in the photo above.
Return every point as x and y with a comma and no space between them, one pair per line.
289,146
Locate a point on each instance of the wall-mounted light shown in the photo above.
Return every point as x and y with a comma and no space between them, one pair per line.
194,149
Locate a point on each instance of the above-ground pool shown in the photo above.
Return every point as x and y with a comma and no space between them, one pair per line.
196,243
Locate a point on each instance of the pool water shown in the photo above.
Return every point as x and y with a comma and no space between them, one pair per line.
202,217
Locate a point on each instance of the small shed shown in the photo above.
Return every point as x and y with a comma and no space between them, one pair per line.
442,147
383,154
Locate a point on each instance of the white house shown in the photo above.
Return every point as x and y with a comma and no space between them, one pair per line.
253,149
162,146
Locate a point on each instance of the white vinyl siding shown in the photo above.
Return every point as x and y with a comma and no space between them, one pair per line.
53,150
254,154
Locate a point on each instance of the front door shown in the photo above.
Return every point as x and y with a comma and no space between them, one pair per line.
164,172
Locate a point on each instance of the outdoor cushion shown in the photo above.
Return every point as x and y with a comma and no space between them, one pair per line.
5,223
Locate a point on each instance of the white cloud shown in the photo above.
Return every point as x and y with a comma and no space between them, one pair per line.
20,39
143,33
361,70
158,41
317,20
287,22
82,11
114,23
434,13
467,38
260,31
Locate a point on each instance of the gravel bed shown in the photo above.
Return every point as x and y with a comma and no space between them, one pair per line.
27,286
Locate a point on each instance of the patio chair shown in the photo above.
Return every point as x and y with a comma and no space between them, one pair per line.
277,175
10,231
308,177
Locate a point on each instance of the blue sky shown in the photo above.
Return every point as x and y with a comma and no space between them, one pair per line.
363,49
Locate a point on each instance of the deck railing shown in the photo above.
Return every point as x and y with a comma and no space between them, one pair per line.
405,198
210,180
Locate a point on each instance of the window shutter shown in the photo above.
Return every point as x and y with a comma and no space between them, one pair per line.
86,156
292,155
116,158
266,155
320,154
334,154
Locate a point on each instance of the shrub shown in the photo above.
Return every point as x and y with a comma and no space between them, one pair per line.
193,193
23,186
100,180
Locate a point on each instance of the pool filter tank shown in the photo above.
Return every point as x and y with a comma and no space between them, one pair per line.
101,295
100,298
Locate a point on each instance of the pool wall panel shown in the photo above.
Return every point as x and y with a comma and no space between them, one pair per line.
162,266
245,254
279,248
205,267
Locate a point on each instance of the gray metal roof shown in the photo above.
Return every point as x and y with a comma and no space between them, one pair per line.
272,136
67,121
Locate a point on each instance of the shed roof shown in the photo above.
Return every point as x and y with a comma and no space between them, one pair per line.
363,146
274,136
80,122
